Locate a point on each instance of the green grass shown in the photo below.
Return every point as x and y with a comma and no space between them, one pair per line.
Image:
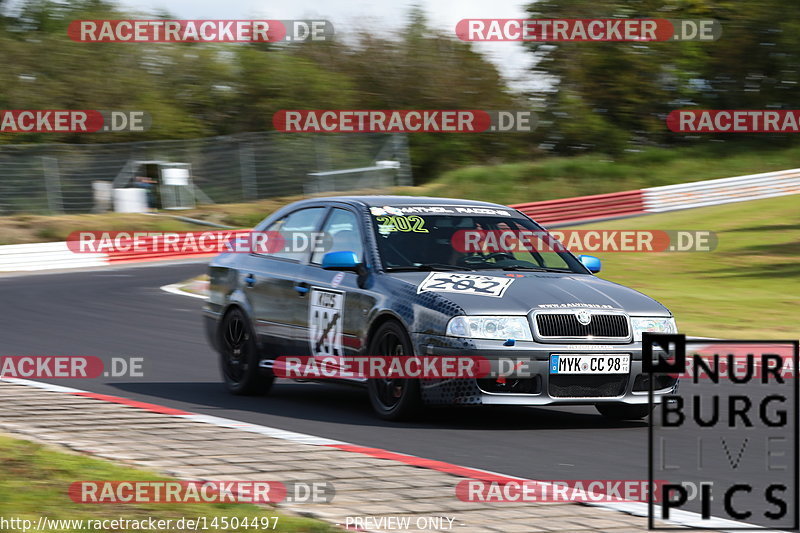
749,287
35,480
561,177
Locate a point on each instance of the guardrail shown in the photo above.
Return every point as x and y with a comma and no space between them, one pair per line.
45,256
584,208
664,198
57,256
721,191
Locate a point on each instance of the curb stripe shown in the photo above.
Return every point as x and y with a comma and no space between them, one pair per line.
430,464
151,407
262,430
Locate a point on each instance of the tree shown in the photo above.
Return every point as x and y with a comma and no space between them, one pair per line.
613,95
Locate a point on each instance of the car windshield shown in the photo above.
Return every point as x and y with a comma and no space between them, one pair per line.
465,238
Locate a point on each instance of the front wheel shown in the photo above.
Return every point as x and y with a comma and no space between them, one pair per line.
624,411
393,399
239,356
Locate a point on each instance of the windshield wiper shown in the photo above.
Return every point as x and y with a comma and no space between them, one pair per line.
428,266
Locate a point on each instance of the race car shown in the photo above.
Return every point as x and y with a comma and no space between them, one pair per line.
393,276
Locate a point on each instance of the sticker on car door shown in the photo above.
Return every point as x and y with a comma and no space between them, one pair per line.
325,316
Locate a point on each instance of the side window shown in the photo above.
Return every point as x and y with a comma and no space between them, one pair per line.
345,235
305,220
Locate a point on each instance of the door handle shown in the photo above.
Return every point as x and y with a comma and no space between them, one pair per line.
250,280
301,288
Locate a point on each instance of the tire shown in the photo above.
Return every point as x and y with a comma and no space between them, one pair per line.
239,356
624,411
393,399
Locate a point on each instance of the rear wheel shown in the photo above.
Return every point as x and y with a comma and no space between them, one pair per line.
393,399
239,356
624,411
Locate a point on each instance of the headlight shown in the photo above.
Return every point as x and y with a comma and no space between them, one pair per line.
640,324
490,327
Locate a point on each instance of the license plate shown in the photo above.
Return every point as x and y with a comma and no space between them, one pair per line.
590,364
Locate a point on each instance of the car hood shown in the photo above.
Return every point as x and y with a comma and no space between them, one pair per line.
545,290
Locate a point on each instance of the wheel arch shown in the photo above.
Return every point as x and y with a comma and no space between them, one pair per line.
237,299
380,319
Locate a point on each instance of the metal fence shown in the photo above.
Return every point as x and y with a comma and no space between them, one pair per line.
57,178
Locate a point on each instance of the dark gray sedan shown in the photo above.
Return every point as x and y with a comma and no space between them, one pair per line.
392,276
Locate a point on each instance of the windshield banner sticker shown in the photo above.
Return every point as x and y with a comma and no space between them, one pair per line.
386,210
439,210
465,284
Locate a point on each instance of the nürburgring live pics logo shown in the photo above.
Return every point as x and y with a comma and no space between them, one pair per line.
726,445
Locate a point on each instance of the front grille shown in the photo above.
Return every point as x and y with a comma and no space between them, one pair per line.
567,325
600,386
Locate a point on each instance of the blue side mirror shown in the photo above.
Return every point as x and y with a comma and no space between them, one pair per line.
590,262
344,260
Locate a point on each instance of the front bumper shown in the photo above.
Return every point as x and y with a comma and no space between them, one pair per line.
533,384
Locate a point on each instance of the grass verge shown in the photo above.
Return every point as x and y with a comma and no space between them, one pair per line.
36,478
748,288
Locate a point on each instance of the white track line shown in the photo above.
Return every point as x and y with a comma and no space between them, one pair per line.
175,289
262,430
40,385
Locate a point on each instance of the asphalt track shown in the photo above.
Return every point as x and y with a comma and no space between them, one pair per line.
122,312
